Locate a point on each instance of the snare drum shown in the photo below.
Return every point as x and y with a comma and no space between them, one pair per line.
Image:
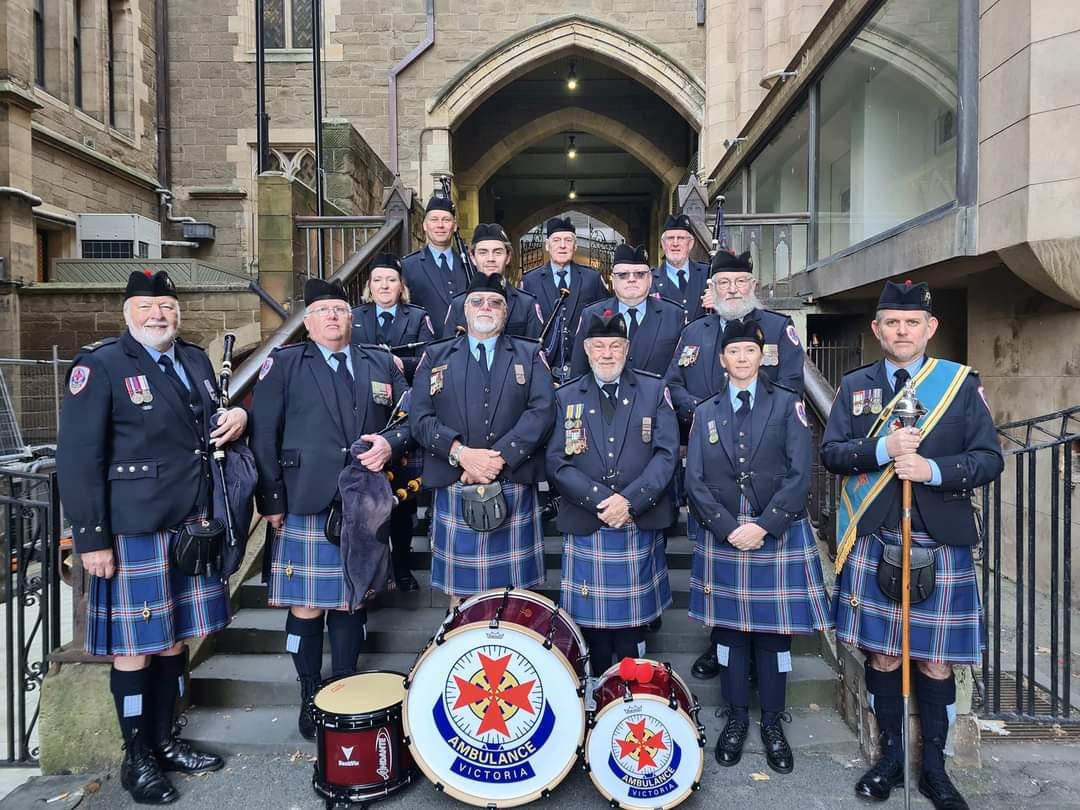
484,697
646,747
359,739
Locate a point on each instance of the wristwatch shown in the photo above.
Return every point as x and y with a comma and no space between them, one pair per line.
455,456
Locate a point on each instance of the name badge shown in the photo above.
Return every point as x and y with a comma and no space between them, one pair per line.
646,429
437,380
689,355
519,373
382,393
770,354
714,435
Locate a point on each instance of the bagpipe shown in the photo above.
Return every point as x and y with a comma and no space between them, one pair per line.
459,241
719,233
557,315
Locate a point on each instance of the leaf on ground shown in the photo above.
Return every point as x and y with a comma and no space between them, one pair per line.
295,756
759,776
994,727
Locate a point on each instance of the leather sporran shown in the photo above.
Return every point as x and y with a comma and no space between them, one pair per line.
332,529
890,573
198,548
483,506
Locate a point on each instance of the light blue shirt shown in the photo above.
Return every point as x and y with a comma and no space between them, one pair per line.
624,308
380,310
733,395
489,348
569,272
600,384
883,456
448,253
171,354
673,272
332,361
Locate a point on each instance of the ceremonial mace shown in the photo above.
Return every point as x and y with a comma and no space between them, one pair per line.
907,411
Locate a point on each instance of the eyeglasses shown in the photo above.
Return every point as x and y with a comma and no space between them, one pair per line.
326,312
165,308
743,283
677,239
485,302
638,275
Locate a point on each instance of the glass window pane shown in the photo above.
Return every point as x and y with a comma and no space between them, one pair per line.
301,24
778,176
888,123
733,195
273,23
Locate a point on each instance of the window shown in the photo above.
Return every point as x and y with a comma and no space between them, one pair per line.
733,195
76,52
39,42
120,66
287,24
779,173
107,249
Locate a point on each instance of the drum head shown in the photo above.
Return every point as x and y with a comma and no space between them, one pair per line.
644,754
362,693
481,712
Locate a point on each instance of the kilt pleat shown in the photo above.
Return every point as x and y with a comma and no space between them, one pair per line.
465,561
777,588
946,628
147,606
306,568
614,577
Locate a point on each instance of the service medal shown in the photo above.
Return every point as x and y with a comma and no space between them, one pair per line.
689,356
875,401
646,429
770,355
858,400
714,435
519,373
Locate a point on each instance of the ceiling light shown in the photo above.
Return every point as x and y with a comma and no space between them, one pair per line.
571,79
573,191
571,151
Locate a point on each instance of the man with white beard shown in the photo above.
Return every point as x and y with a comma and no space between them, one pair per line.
696,374
133,461
482,407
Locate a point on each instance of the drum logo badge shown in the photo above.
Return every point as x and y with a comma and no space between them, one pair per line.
493,715
644,756
347,760
384,752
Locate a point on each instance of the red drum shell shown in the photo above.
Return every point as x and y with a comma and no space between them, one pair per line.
611,687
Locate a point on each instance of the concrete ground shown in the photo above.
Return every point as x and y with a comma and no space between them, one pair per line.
1015,775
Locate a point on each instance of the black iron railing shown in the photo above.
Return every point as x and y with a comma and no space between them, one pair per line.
31,575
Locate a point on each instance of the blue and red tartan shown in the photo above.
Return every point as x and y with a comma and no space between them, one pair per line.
306,569
614,577
465,561
147,606
947,628
777,588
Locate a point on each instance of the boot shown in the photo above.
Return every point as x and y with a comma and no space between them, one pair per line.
305,724
141,776
171,752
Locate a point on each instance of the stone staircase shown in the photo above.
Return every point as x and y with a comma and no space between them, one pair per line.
244,698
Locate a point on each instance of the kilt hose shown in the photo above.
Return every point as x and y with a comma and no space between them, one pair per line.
306,569
777,588
614,577
465,561
147,606
947,628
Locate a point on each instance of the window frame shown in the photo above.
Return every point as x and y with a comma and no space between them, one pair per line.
289,44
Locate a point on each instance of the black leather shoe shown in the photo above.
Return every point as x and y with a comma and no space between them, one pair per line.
939,789
706,666
407,583
777,751
178,755
878,782
732,738
305,723
141,776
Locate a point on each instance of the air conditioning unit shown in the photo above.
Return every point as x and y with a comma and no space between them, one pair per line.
118,236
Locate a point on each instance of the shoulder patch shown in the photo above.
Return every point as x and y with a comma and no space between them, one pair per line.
792,335
80,376
800,412
264,369
667,398
982,396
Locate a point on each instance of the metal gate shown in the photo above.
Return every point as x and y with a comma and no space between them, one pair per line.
601,254
530,250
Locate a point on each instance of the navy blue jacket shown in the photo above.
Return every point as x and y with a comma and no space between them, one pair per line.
522,408
125,467
586,286
523,318
697,279
653,343
703,377
412,325
297,434
429,287
631,456
964,444
779,478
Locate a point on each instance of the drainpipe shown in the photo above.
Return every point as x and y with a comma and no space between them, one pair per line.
164,144
413,55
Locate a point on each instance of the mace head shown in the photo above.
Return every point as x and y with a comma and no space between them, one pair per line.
908,409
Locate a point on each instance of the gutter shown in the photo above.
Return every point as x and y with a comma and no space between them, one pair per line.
395,71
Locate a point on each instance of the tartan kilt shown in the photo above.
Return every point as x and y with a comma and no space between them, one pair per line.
465,561
306,568
777,588
614,577
947,628
150,605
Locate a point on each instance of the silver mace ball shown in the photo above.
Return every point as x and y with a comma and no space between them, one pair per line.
908,409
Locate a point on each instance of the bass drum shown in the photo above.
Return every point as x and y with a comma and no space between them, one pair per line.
484,698
646,748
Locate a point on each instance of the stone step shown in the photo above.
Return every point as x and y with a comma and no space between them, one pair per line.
261,680
262,631
272,730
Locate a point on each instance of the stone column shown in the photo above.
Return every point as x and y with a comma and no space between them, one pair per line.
436,153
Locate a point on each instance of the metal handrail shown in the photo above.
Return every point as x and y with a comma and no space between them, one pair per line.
819,392
335,221
245,375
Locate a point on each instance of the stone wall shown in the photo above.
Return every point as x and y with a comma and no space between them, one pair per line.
356,176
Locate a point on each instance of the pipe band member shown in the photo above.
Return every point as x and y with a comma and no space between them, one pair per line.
678,277
312,401
133,464
951,452
612,460
435,273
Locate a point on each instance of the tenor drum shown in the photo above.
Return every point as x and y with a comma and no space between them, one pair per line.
484,697
361,755
645,748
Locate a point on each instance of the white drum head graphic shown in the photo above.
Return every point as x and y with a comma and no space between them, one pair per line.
481,713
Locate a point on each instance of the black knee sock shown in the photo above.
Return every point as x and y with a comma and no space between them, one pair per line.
628,642
129,690
772,652
401,530
889,710
304,639
601,649
348,632
733,652
167,685
934,696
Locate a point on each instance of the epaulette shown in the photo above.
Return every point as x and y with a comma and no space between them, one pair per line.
441,341
670,301
97,344
783,387
375,347
521,291
859,368
645,373
539,266
704,314
785,316
571,380
183,342
409,255
522,337
285,346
